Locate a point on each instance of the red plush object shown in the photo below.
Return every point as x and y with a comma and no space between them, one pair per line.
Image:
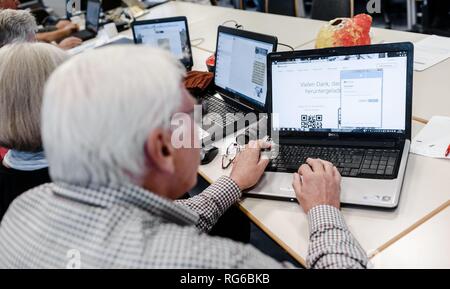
3,152
345,32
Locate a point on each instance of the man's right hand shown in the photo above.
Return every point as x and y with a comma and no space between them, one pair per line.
317,183
249,165
70,28
62,23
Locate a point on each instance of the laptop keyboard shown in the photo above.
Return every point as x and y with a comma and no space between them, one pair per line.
222,109
84,34
351,162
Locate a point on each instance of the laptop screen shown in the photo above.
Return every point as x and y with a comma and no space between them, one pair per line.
241,67
361,93
170,35
92,15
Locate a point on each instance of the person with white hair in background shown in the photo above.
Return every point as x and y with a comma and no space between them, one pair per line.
24,68
111,119
20,25
16,26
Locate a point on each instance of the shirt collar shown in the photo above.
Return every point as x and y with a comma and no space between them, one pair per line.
25,161
128,195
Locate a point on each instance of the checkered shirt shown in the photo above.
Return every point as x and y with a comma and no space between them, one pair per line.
59,225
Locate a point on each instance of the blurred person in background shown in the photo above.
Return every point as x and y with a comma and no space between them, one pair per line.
59,34
24,69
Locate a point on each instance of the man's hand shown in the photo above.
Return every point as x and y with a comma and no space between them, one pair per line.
70,42
70,28
320,184
249,166
62,23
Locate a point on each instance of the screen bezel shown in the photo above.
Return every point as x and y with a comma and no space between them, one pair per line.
377,48
190,61
252,36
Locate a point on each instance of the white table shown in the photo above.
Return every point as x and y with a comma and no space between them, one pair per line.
289,30
428,246
195,13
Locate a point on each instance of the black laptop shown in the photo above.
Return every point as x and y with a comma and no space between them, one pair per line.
350,106
171,34
240,79
92,21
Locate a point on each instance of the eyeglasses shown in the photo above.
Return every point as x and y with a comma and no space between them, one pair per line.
230,155
235,148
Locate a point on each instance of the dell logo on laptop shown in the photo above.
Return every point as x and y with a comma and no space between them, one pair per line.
331,134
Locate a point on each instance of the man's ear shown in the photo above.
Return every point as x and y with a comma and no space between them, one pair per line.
160,152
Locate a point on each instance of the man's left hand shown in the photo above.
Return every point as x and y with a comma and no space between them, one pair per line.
70,42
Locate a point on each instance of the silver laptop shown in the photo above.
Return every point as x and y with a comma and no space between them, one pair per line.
351,106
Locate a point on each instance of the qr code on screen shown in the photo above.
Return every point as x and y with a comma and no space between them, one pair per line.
311,121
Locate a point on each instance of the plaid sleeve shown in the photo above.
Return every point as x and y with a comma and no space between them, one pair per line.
331,243
213,202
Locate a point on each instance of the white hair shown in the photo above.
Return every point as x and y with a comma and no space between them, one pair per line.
16,26
24,69
99,108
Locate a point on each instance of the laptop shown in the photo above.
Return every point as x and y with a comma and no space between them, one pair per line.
92,21
240,80
171,34
350,106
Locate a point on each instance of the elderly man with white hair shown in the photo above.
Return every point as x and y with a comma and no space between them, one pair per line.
20,26
118,173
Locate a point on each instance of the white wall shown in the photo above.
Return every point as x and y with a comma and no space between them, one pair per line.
59,6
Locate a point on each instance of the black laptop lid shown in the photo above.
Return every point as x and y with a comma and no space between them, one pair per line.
355,92
171,34
93,15
241,61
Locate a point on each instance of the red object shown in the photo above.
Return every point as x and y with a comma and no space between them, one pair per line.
211,62
448,151
356,33
364,21
3,152
345,32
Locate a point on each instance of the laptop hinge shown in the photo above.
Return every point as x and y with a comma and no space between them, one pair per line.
388,143
229,99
